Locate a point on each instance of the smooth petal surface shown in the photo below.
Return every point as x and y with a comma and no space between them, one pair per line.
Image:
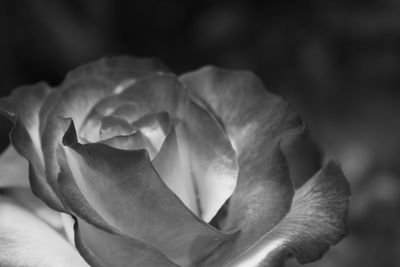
14,169
123,188
202,141
168,165
23,108
27,241
99,243
316,220
100,248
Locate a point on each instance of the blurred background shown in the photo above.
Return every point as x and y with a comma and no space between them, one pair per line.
337,62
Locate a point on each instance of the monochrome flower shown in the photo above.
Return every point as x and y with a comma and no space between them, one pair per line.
161,170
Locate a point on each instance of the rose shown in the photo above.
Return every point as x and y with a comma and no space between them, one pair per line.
143,161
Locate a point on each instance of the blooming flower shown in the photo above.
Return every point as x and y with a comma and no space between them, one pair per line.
143,161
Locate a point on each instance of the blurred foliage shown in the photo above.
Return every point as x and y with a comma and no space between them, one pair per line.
336,61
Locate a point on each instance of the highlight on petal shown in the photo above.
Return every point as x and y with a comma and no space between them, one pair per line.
14,169
254,121
212,159
316,220
168,164
204,146
134,141
114,126
257,205
27,241
128,195
155,127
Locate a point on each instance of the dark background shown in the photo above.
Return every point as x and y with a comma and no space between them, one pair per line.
337,62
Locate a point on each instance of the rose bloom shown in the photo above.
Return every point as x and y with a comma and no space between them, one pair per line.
139,167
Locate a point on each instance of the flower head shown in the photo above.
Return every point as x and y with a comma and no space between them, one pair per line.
144,160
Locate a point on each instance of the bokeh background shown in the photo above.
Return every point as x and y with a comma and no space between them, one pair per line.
337,62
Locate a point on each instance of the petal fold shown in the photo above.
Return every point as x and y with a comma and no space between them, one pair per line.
316,221
255,121
23,107
257,206
203,144
127,194
168,165
81,90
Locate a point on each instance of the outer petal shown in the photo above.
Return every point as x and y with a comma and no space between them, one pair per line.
168,165
254,121
128,194
252,117
27,241
100,248
201,139
316,221
23,107
100,243
82,89
14,169
265,201
133,141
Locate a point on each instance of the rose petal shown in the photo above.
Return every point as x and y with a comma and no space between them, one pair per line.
315,221
14,169
27,241
100,248
132,112
127,193
81,90
166,160
260,204
23,107
254,120
118,69
168,165
91,126
252,117
133,141
155,127
113,126
97,241
201,140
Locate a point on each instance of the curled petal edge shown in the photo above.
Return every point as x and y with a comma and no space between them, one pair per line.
316,221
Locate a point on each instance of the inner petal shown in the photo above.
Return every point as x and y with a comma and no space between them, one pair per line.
155,127
208,153
133,141
155,133
93,121
175,172
113,126
123,188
